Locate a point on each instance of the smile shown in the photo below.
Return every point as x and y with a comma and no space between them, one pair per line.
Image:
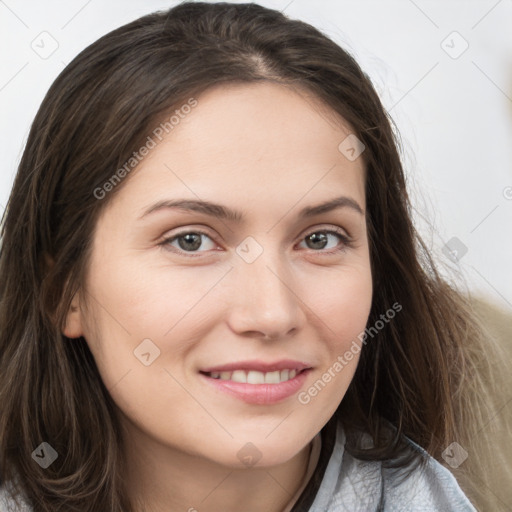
255,387
255,377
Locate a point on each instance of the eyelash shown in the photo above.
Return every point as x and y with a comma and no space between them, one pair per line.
347,241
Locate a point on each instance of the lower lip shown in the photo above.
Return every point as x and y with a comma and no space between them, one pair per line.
262,394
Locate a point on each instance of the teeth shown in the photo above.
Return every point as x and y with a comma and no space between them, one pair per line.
239,376
273,377
254,377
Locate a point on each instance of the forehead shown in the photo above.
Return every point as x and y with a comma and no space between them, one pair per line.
243,142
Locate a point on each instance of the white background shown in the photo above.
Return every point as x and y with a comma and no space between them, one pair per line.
454,114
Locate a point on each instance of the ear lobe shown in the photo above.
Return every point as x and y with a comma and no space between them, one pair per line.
73,327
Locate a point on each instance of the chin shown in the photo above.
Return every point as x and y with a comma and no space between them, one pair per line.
259,454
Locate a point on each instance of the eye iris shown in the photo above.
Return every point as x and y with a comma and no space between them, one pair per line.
189,239
318,238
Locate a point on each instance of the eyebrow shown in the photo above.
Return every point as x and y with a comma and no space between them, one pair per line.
225,213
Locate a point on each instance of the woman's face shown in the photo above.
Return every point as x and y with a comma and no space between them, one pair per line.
176,292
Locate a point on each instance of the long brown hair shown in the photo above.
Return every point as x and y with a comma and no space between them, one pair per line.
102,107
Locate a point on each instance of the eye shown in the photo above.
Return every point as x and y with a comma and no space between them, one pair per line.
188,241
319,240
191,241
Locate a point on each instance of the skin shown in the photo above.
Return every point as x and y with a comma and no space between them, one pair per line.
268,151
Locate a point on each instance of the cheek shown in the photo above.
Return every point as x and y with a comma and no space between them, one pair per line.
343,303
132,358
140,314
343,308
149,298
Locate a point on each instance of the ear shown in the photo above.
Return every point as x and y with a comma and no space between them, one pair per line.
73,327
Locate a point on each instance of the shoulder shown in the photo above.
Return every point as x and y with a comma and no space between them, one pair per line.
430,486
7,504
352,484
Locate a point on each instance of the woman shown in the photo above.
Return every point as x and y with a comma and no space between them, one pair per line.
213,289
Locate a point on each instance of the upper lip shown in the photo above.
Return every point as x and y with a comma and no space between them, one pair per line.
259,366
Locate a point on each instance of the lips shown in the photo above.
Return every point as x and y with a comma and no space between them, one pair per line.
258,382
261,394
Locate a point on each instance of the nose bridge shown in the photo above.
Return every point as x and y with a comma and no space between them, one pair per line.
267,302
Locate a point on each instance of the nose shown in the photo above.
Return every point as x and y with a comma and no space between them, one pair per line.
264,301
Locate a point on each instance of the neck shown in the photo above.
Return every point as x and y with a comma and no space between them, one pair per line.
162,478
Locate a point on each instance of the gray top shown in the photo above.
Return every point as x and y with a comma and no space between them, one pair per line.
353,485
